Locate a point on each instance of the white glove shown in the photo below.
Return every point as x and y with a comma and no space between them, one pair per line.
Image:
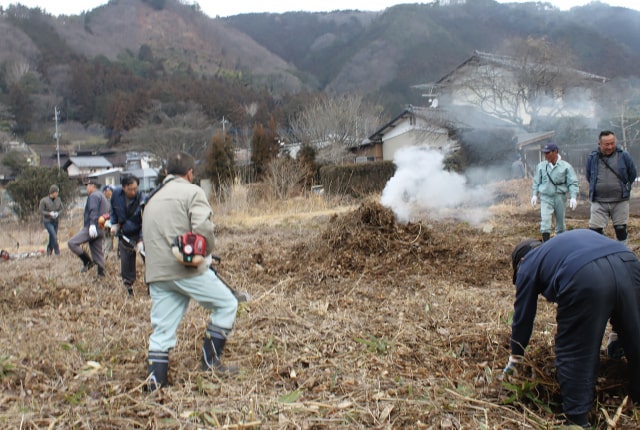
139,247
534,200
54,215
107,224
573,203
93,231
114,228
510,368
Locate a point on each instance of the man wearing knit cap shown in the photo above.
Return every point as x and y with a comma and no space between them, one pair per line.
50,209
593,279
553,179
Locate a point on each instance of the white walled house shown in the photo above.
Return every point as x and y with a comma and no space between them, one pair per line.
512,89
85,166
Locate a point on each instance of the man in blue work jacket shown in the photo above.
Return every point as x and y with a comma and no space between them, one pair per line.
593,279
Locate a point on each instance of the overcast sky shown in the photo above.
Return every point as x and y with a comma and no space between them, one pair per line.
225,8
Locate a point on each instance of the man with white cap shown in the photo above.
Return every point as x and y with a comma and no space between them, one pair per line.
553,179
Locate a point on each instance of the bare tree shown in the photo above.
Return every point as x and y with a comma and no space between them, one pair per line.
532,82
620,102
333,124
283,175
161,134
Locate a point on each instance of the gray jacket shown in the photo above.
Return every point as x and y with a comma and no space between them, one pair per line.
47,205
178,208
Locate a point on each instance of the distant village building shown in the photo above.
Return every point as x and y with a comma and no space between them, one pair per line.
138,165
81,167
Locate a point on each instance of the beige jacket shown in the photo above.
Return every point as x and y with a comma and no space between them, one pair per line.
178,208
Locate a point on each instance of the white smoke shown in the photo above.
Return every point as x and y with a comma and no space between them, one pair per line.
422,189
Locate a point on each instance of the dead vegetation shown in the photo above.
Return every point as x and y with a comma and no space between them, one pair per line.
355,322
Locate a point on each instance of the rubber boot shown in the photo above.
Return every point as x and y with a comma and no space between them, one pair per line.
101,271
86,261
597,230
128,288
621,233
158,369
212,348
546,236
581,421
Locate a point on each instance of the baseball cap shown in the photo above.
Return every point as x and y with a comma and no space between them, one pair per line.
108,187
519,251
550,147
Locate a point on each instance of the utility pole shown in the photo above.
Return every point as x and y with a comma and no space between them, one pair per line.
57,135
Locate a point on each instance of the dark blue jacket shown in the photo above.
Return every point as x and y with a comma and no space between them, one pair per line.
547,270
626,170
128,217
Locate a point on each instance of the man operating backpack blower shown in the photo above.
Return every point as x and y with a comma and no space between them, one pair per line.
179,209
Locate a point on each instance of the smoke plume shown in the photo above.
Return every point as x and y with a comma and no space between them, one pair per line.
422,189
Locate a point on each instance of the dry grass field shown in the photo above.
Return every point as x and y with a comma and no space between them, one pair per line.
355,322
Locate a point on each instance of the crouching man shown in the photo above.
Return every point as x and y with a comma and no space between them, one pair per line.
175,208
592,279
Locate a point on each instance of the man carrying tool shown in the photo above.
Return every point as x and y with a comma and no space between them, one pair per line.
95,206
174,209
126,223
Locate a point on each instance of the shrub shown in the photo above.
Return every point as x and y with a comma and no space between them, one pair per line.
33,184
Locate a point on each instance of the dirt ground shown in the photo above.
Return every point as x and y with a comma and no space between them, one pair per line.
355,322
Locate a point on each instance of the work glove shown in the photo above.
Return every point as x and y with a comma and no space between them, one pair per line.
140,247
114,228
93,231
512,366
534,200
55,215
614,346
573,203
107,224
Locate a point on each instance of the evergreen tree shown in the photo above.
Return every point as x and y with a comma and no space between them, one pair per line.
220,163
264,147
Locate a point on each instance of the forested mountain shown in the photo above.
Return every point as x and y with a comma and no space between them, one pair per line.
111,64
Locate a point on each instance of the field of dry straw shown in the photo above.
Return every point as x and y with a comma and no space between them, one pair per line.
355,322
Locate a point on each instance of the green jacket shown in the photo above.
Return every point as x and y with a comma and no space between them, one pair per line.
178,208
549,180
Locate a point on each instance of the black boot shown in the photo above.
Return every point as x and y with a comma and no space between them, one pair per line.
101,271
157,371
621,232
212,348
86,261
546,236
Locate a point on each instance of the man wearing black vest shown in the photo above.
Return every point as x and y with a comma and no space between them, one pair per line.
610,173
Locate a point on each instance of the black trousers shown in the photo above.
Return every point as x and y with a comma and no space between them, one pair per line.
127,261
606,288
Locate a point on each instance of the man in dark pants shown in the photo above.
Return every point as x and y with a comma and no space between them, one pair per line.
592,279
126,222
96,205
50,209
